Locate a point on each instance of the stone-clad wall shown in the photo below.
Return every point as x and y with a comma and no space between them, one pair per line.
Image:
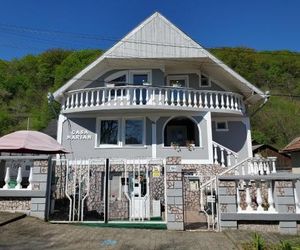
15,204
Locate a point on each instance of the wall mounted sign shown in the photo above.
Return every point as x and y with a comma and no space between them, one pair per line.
79,135
156,171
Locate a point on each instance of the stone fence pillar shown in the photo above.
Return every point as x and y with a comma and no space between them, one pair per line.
174,194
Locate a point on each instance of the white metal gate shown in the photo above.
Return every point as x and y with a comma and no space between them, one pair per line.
108,190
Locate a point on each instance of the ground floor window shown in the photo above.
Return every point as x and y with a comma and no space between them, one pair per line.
121,132
181,131
134,131
109,132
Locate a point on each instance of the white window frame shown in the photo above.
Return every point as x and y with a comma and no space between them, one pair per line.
98,134
221,129
178,77
140,72
124,131
200,80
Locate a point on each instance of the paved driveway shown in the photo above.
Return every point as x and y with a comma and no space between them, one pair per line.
31,233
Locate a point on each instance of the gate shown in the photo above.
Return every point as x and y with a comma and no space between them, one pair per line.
114,190
200,211
78,190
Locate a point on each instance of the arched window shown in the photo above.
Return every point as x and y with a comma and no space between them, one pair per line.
181,131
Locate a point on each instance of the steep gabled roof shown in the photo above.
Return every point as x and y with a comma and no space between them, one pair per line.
158,38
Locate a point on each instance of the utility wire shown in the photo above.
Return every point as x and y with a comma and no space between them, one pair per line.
9,27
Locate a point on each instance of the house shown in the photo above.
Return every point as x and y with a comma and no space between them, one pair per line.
150,124
293,148
157,93
265,150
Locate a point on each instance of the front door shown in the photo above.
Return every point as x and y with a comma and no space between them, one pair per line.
194,217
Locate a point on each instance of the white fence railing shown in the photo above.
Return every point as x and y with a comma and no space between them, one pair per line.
223,155
16,183
152,96
257,197
249,166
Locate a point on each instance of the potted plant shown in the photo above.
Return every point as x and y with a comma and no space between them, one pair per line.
176,146
190,145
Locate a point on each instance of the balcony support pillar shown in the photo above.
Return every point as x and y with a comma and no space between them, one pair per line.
154,135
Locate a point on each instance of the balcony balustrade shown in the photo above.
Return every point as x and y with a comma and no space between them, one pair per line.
151,97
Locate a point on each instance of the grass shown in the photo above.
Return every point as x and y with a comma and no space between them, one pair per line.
259,243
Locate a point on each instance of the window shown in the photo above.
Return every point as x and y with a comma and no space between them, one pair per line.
221,126
181,132
118,78
204,81
194,185
109,132
140,77
134,131
177,80
121,79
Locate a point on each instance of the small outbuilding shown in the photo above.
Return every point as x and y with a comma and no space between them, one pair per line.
293,148
283,159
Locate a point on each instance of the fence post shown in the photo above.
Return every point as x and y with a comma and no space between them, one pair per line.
106,191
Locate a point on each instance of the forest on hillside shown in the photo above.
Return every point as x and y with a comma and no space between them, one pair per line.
25,82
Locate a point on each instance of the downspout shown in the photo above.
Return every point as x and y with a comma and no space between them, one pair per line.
266,99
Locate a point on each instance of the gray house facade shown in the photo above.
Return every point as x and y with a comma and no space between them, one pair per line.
157,93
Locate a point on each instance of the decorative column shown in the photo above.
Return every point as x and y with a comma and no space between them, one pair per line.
7,179
19,178
259,198
273,163
271,208
248,198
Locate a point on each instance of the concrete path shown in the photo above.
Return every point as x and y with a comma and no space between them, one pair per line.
31,233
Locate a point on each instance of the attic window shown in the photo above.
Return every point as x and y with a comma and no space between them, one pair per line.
119,79
204,81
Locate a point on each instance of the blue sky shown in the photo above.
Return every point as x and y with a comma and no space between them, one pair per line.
258,24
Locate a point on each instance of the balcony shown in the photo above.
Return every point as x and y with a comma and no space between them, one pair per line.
150,97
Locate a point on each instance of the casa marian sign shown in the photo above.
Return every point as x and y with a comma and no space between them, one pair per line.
79,135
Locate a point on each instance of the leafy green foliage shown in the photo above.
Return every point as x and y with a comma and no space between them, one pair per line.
25,82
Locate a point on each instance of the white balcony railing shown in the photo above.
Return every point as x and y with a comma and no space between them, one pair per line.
122,96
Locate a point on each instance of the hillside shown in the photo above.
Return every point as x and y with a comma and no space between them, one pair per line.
25,82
